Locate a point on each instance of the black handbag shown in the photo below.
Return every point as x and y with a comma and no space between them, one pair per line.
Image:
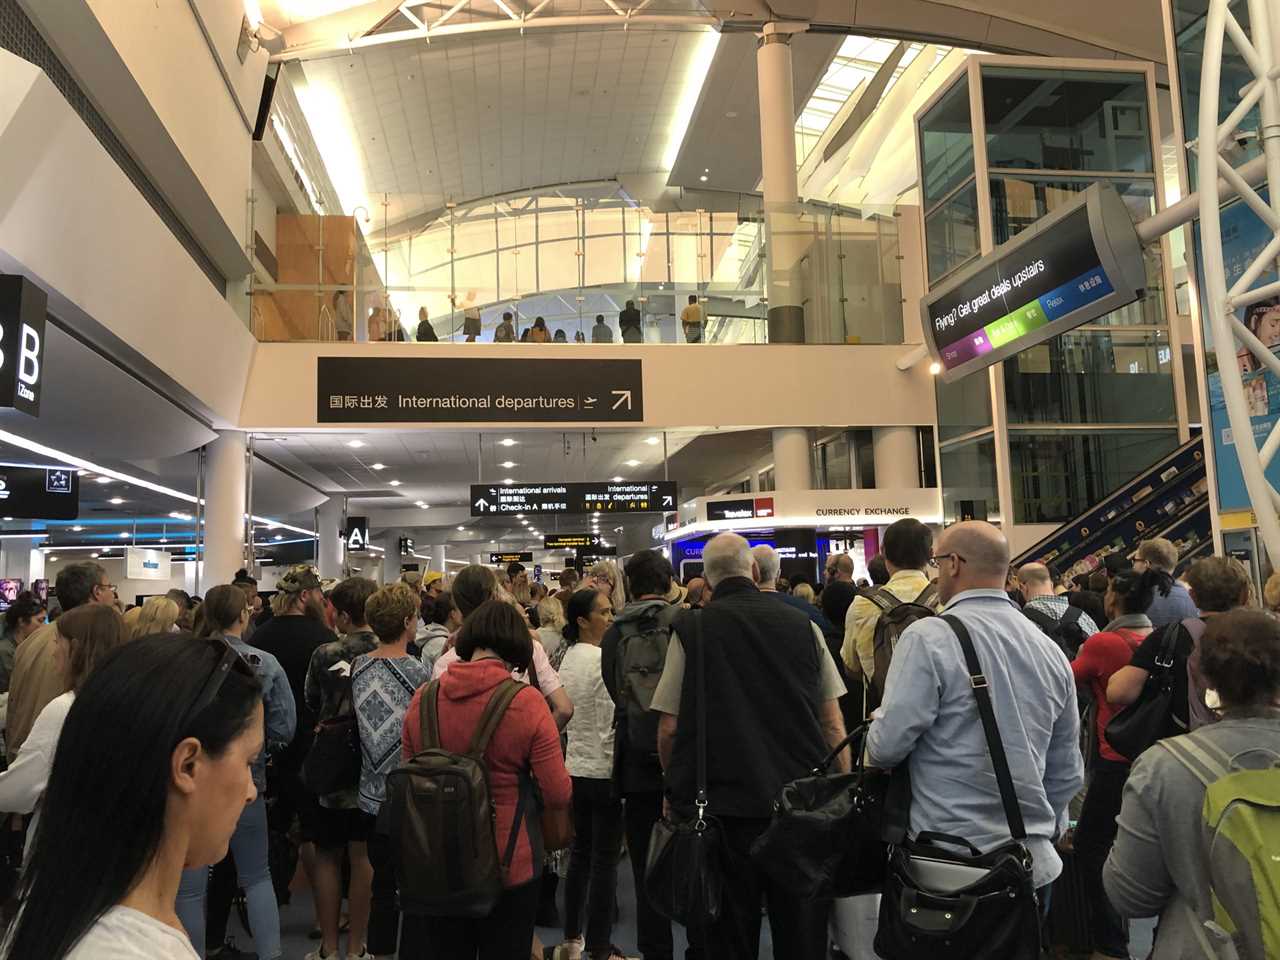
684,874
333,760
829,836
944,899
1150,717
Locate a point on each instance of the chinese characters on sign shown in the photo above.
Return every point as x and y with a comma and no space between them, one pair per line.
602,497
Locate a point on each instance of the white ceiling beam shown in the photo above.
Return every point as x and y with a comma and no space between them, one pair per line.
343,26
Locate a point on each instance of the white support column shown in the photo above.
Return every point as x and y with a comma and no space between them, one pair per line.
224,491
390,544
896,451
792,463
479,559
437,559
784,245
329,551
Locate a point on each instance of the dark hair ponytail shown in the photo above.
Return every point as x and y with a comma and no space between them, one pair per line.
580,605
1136,591
119,739
222,608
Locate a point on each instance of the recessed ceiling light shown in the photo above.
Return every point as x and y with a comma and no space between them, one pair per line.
124,536
508,481
425,506
77,529
507,442
395,483
116,501
703,178
462,528
525,522
8,518
355,444
632,463
104,480
278,536
507,464
519,516
164,539
651,441
935,368
53,559
94,555
378,466
81,473
617,480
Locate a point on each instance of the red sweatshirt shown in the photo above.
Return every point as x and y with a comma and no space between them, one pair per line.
526,740
1098,658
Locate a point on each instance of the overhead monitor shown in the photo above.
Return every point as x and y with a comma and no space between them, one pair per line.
1077,264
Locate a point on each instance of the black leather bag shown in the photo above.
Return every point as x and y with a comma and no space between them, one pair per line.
684,874
333,761
1150,717
829,834
944,899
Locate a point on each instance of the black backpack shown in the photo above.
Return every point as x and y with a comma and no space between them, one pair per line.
642,653
895,616
1066,633
440,818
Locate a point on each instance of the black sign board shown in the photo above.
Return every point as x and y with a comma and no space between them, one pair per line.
477,390
1079,263
743,509
23,307
39,493
571,541
406,546
602,497
505,558
356,536
587,554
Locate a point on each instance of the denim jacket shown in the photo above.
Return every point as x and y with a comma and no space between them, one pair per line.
277,701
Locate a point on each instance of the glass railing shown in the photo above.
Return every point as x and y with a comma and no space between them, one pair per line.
579,269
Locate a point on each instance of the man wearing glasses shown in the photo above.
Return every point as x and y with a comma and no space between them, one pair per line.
929,717
36,678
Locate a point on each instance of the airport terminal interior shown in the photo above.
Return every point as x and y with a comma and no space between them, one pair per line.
400,400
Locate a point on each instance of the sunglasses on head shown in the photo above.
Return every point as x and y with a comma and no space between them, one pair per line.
231,659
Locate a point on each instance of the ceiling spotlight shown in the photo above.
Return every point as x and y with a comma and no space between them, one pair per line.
164,539
651,441
507,464
508,481
116,501
52,559
525,522
507,442
8,518
703,178
378,466
104,480
462,528
355,444
633,463
77,529
616,480
94,555
278,536
519,516
124,536
425,506
935,368
395,483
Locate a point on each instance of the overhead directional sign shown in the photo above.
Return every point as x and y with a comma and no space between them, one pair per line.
602,497
39,493
477,390
505,558
571,541
356,536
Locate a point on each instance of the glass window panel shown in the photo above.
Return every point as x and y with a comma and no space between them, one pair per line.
603,221
654,267
604,260
946,144
1093,376
557,265
515,272
1058,475
557,224
969,479
963,406
478,276
1066,119
472,237
951,232
1018,201
833,455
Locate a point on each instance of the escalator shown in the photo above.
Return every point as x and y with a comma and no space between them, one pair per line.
1169,499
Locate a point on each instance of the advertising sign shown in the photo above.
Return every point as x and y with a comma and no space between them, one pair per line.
817,508
143,564
600,497
23,307
477,390
356,536
505,558
39,493
1079,263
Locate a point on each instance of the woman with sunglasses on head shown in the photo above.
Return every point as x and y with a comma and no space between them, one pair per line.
165,731
226,614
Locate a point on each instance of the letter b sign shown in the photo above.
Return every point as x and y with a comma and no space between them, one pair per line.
23,307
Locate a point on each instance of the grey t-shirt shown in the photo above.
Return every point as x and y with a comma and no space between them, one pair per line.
666,698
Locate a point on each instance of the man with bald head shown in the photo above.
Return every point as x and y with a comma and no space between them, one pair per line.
1065,625
929,716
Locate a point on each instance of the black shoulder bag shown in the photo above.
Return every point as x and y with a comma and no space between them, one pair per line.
946,900
684,875
1150,717
333,761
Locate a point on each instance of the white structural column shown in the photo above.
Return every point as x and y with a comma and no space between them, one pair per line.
224,509
784,244
897,458
792,459
390,544
437,558
329,553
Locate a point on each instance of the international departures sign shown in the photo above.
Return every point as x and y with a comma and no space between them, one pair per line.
477,390
543,498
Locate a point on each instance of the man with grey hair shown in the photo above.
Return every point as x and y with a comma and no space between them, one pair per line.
1160,554
929,716
1067,626
768,568
772,714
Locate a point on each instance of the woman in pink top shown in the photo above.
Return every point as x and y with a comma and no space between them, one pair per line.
494,641
1101,655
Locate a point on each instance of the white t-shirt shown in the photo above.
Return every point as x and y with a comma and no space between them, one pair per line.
125,934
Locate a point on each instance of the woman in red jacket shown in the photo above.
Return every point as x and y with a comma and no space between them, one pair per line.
1101,655
493,642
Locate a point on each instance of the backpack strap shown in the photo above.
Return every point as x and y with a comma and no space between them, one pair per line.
883,599
429,716
1206,765
928,596
1071,618
1041,619
492,716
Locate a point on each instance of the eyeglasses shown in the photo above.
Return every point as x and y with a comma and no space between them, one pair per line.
230,660
933,561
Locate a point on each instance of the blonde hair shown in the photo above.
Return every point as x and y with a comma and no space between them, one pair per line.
804,592
1271,593
608,570
388,610
157,615
551,614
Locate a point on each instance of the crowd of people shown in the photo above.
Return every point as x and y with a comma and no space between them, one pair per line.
196,751
693,322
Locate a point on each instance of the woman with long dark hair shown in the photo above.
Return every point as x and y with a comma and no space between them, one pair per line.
151,773
226,614
24,617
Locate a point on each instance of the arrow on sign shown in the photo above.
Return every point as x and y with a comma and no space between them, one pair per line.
482,503
668,501
624,396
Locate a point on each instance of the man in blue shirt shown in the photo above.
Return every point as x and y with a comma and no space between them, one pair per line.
929,716
1160,554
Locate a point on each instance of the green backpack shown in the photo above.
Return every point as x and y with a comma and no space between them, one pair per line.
1241,817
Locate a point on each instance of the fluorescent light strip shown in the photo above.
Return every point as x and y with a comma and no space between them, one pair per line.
23,536
23,443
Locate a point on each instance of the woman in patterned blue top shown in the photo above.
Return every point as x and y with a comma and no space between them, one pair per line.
382,684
